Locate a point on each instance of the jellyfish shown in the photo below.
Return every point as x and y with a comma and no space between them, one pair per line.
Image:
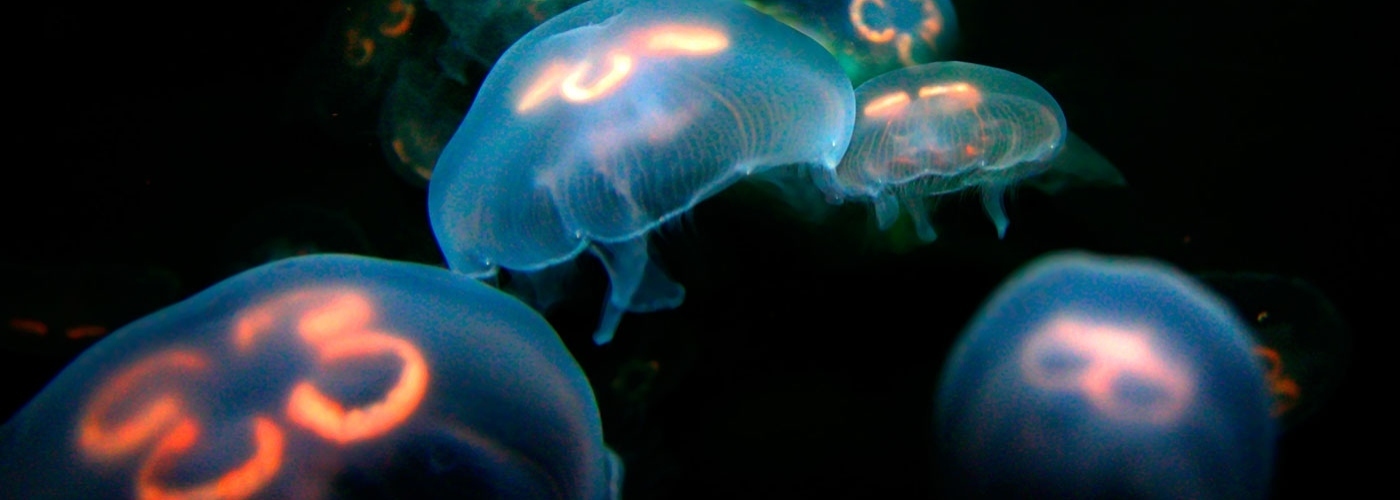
1092,377
313,377
1301,339
420,113
941,128
618,116
872,37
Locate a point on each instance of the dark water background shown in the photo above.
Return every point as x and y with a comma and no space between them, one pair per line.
152,141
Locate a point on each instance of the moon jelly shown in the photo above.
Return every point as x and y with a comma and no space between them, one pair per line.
313,377
618,115
945,127
1088,377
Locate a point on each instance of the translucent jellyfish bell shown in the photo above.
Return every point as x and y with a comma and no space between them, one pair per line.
944,127
312,377
618,115
1089,377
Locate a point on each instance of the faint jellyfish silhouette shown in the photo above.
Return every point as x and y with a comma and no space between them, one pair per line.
312,377
421,111
1302,340
941,128
1093,377
617,116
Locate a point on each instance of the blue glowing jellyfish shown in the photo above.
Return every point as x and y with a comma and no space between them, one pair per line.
1089,377
619,115
872,37
316,376
945,127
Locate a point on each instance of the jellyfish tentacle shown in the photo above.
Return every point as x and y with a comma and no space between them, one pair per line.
638,284
991,201
886,210
919,212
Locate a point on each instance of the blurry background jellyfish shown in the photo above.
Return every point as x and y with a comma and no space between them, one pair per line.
285,230
421,110
618,116
942,128
316,377
872,37
1303,343
346,77
1092,377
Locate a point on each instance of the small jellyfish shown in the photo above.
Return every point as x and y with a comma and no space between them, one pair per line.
945,127
314,377
872,37
1092,377
617,116
1302,340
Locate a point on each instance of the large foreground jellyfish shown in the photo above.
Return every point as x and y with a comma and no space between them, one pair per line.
872,37
945,127
317,377
617,116
1089,377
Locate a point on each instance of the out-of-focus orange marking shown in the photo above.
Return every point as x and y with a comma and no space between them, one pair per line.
358,50
102,440
930,25
400,152
1109,353
405,12
864,30
1285,390
887,104
534,10
620,67
30,326
85,331
312,409
242,482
